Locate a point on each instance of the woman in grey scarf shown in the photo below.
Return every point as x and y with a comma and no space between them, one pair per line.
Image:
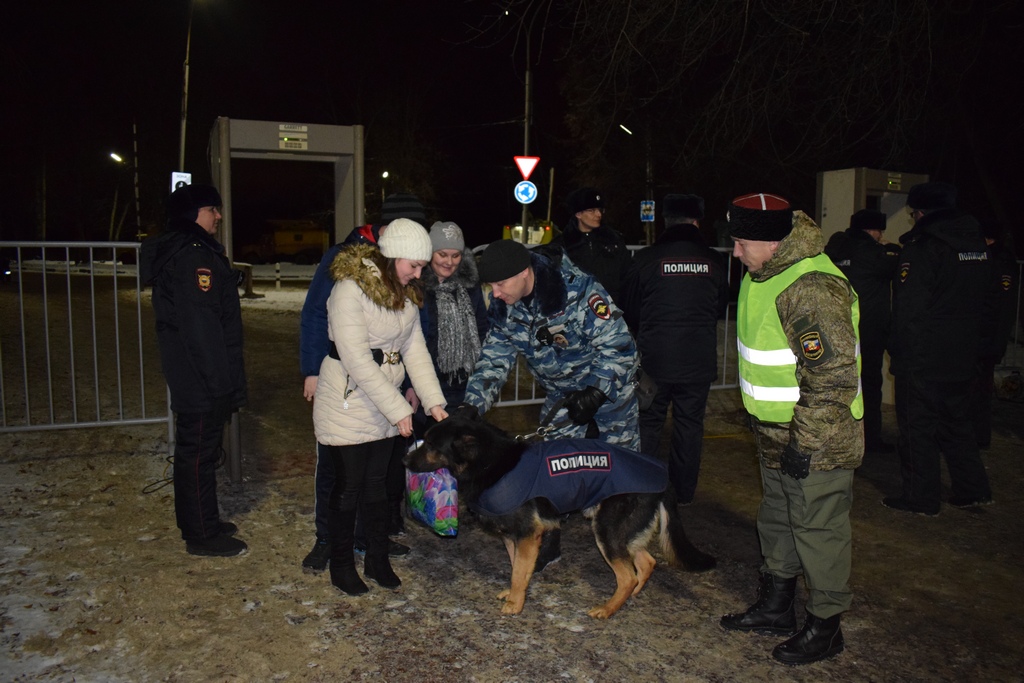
453,316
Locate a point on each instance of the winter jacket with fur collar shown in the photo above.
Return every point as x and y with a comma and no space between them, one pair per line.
357,400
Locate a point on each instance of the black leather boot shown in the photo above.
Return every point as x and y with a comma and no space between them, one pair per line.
773,613
818,639
377,565
342,526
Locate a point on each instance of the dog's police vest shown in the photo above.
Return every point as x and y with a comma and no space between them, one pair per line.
573,474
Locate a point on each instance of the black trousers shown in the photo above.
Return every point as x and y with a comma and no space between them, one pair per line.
689,402
936,418
872,352
197,454
360,471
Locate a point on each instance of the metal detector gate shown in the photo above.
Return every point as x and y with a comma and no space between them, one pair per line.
341,146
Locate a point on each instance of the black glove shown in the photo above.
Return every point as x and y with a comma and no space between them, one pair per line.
582,405
223,408
465,411
795,464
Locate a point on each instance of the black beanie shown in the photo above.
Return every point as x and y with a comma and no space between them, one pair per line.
501,260
403,205
868,219
186,201
760,217
931,196
680,206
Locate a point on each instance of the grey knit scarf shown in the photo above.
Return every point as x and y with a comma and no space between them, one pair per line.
458,343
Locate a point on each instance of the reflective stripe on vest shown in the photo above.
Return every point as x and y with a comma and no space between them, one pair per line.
767,366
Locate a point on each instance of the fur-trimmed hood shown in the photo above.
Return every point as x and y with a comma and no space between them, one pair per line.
465,276
364,264
548,287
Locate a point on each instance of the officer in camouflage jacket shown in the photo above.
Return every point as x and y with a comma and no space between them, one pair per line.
797,332
574,340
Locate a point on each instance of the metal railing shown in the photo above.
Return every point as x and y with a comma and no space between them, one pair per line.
73,346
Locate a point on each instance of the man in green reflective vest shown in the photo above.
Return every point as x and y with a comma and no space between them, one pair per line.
796,327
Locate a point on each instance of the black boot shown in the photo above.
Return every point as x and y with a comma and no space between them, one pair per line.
773,613
342,526
818,639
377,566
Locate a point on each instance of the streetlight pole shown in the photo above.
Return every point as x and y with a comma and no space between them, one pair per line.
184,94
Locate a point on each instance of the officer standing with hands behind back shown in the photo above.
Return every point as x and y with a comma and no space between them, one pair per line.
199,330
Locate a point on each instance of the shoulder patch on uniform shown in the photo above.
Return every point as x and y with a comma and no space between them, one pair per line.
904,271
204,279
599,306
814,347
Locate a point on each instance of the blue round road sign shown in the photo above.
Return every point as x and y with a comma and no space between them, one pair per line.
525,192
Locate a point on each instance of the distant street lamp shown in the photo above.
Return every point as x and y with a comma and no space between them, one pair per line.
383,185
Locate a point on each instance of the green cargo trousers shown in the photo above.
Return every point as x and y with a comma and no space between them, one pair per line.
804,528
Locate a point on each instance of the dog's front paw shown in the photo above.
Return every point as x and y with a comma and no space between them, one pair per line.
513,606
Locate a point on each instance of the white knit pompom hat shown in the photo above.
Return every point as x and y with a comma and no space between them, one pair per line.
404,238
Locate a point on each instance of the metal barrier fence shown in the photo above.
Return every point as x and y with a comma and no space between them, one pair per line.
73,346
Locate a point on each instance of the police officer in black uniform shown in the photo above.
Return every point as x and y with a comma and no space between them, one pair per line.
672,299
869,264
199,330
594,247
936,337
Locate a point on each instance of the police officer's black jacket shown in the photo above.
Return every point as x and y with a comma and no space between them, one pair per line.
1000,302
938,294
198,317
672,299
870,267
601,253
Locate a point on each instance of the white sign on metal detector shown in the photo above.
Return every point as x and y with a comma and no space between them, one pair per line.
179,179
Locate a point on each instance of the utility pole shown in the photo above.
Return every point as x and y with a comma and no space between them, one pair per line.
184,94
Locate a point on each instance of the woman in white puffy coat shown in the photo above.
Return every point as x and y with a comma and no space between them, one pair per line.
359,409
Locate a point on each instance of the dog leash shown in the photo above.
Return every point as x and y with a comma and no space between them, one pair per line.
546,427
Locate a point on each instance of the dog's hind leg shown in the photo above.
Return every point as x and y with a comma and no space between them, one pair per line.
523,560
644,563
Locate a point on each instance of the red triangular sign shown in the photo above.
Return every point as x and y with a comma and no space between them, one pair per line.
526,165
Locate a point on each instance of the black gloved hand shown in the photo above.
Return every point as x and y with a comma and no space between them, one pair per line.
465,411
223,408
582,405
795,464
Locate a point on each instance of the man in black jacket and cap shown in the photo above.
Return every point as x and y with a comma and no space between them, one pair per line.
199,330
936,335
595,248
869,264
672,299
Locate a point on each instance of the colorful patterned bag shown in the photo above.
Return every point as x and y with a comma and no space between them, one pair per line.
432,498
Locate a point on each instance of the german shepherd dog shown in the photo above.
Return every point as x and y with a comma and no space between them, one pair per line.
479,454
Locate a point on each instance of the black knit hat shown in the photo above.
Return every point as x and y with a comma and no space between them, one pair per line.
501,260
403,205
760,217
868,219
186,201
680,206
583,199
930,196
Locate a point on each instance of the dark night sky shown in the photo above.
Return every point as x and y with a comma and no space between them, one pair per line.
76,76
83,72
